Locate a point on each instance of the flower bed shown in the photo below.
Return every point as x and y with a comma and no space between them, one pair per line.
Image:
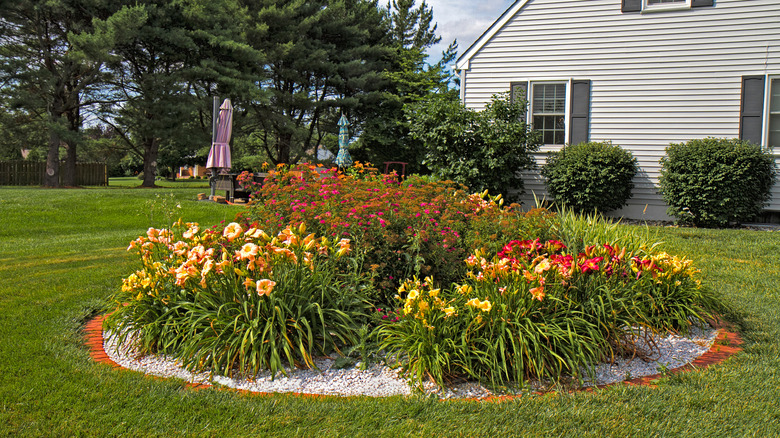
535,311
414,227
239,299
443,283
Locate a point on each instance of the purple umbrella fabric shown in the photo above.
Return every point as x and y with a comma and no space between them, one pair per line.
219,155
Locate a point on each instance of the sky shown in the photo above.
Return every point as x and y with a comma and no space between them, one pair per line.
464,20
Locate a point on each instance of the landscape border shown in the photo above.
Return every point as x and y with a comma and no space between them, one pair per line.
726,344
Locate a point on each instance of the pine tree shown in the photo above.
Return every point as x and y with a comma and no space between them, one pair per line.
322,59
386,136
50,74
411,27
163,75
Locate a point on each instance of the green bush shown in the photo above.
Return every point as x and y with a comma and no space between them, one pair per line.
715,182
590,176
484,150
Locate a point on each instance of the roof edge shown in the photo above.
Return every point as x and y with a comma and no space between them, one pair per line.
464,59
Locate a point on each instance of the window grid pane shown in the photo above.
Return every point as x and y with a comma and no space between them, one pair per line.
774,96
552,128
774,114
549,98
549,112
774,131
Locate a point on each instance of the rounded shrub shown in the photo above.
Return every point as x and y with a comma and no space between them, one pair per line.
590,176
716,181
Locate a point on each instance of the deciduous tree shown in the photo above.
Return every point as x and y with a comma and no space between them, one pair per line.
481,149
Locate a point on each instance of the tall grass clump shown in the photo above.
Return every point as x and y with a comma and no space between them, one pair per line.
578,230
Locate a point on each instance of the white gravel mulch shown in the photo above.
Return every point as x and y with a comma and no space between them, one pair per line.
671,352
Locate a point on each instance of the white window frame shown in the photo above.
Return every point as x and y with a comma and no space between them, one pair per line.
662,7
765,119
567,104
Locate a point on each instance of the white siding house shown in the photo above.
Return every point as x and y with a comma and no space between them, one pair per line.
642,73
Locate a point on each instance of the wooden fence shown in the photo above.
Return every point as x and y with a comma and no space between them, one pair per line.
30,173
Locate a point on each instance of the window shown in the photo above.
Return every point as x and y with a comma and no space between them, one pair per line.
665,5
558,108
773,125
644,6
548,111
759,113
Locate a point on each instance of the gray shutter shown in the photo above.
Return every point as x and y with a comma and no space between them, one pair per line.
519,91
752,109
701,3
632,6
579,115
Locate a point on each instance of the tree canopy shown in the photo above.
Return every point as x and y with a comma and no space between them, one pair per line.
140,78
44,72
162,72
322,59
386,135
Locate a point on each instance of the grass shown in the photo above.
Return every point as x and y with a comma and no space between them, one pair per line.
62,252
131,181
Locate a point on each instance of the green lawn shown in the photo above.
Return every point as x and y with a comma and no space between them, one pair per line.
131,181
62,252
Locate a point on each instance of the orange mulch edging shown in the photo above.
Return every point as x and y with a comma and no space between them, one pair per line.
726,345
93,336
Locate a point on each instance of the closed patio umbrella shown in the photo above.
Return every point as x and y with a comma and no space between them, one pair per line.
219,155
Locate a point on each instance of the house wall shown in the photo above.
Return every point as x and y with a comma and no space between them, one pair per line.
657,78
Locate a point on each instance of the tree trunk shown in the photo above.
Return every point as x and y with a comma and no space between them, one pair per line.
151,147
283,148
69,173
51,177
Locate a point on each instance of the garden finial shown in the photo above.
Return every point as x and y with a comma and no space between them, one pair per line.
343,160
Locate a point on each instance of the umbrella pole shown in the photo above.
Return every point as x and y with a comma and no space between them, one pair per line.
214,118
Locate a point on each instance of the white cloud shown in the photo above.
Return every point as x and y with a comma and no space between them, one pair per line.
464,20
